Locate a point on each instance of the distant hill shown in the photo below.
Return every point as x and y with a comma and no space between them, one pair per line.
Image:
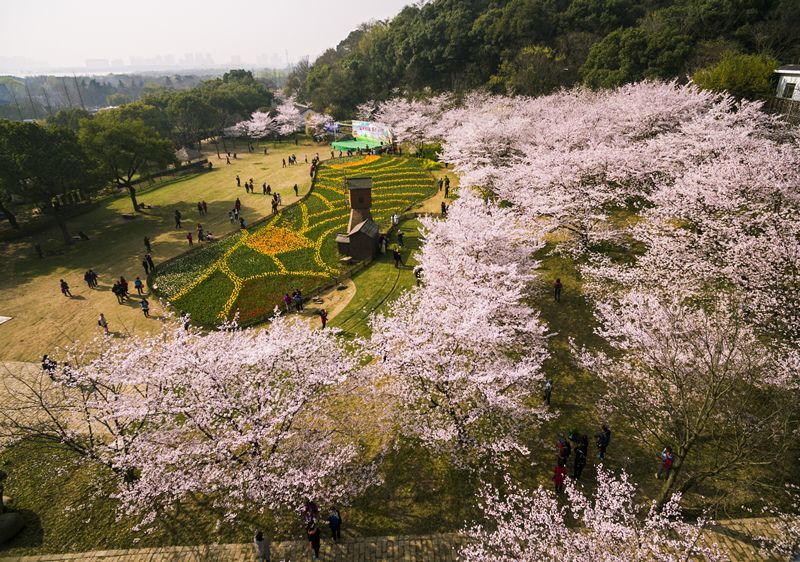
536,46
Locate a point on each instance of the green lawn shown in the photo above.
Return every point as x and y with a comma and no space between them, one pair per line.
294,250
380,283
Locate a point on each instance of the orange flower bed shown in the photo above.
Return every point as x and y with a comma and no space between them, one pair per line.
366,160
273,241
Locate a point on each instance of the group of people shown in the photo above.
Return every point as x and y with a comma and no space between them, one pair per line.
293,160
581,446
202,207
310,514
296,300
148,264
445,183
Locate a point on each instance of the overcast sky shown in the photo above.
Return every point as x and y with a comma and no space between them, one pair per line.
51,34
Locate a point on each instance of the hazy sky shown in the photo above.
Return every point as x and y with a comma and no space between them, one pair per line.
67,33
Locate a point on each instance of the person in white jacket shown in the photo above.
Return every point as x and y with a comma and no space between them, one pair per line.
262,547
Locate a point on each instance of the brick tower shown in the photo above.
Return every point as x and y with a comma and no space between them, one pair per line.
360,190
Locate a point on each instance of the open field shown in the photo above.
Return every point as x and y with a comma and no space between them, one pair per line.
43,319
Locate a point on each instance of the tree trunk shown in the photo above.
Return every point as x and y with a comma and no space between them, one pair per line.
224,145
62,226
216,145
12,218
132,191
669,484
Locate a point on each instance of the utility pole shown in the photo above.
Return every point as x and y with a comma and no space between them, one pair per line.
66,91
30,99
80,97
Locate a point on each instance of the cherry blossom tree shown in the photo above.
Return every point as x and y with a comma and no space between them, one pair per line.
240,418
288,118
413,121
462,353
695,378
318,123
610,526
366,111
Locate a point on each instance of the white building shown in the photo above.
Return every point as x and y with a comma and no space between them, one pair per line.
788,82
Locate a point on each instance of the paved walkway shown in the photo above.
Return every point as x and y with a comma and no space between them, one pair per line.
435,548
733,537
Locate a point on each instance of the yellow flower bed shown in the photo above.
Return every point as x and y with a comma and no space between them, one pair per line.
273,241
366,160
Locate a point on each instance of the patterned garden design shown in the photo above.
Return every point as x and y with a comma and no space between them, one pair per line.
248,272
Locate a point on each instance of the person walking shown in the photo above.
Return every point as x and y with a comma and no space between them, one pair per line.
548,390
115,288
447,183
123,286
298,301
400,237
335,523
205,208
238,205
581,451
418,274
88,278
313,539
177,218
238,181
667,459
559,475
230,216
139,286
189,238
557,286
199,232
603,439
146,266
149,259
262,545
295,190
441,183
447,189
199,208
287,300
147,245
145,307
65,288
323,316
102,322
564,448
398,257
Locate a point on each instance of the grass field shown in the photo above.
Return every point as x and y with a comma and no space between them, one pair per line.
248,272
44,320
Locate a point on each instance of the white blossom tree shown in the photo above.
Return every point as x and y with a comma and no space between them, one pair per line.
695,378
611,526
288,118
318,123
462,353
239,418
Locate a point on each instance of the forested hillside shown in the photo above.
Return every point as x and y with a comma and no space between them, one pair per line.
535,46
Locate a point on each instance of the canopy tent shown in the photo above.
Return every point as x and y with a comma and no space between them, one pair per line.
360,144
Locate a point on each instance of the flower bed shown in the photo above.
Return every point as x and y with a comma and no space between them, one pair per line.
248,272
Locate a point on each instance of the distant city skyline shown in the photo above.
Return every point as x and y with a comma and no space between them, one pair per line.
95,37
